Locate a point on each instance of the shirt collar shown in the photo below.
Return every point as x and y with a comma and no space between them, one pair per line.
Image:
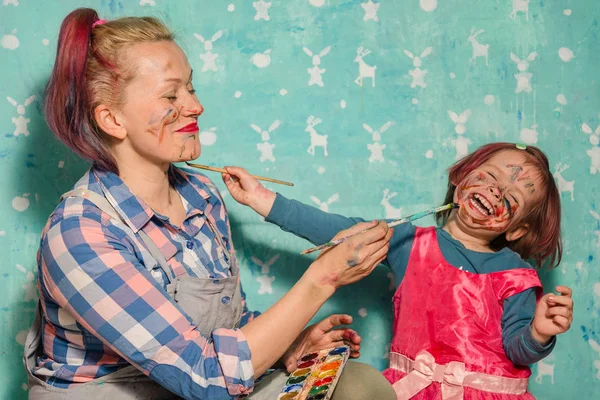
135,212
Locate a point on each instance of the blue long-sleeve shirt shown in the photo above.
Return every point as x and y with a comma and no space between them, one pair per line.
319,227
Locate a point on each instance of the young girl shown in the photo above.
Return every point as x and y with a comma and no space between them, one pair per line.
468,312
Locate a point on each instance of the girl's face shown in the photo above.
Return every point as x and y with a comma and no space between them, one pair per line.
495,197
161,109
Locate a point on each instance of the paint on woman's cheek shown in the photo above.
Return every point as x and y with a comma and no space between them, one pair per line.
159,120
193,137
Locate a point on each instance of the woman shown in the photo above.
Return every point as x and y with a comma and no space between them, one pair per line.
137,271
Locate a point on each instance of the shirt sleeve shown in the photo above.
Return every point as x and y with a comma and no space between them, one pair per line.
94,275
319,227
519,344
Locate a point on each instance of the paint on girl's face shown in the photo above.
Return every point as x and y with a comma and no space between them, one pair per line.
516,170
519,175
483,201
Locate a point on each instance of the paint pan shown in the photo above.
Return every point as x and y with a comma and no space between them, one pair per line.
316,376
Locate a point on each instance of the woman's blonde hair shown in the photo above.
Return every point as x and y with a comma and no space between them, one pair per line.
91,68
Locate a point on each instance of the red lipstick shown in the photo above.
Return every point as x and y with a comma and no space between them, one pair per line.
193,127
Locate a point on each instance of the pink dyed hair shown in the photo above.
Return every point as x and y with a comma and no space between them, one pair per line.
542,242
89,71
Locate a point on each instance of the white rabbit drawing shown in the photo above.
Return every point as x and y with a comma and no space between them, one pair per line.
377,148
461,143
594,152
208,57
418,74
315,72
29,286
523,77
20,121
324,205
265,147
262,10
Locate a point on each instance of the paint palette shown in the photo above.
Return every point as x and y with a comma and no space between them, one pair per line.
316,375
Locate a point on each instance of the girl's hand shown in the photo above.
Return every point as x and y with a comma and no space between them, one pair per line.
553,315
246,189
355,258
322,335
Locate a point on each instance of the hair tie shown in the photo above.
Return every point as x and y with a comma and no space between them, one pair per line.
99,22
521,146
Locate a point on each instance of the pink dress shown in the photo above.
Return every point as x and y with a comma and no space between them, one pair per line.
447,341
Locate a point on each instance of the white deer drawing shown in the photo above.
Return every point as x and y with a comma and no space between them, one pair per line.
208,57
376,147
391,212
324,205
315,72
316,140
418,74
479,50
364,70
265,265
21,122
563,184
265,147
523,77
544,369
520,6
594,152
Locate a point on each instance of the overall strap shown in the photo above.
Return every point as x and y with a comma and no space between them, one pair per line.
103,204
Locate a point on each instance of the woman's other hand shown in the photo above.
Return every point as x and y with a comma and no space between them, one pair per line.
323,335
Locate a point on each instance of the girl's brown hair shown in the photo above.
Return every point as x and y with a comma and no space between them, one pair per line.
542,242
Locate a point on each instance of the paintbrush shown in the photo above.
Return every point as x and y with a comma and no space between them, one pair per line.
260,178
390,224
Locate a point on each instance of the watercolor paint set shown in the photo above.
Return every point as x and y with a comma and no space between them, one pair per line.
316,375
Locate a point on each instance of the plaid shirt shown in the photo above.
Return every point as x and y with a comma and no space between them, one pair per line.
104,296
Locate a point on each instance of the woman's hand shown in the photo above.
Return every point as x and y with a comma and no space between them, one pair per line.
322,335
553,315
246,189
353,259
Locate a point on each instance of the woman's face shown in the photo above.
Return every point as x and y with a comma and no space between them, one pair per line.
495,196
161,109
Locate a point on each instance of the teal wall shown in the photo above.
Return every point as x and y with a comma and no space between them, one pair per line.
440,101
